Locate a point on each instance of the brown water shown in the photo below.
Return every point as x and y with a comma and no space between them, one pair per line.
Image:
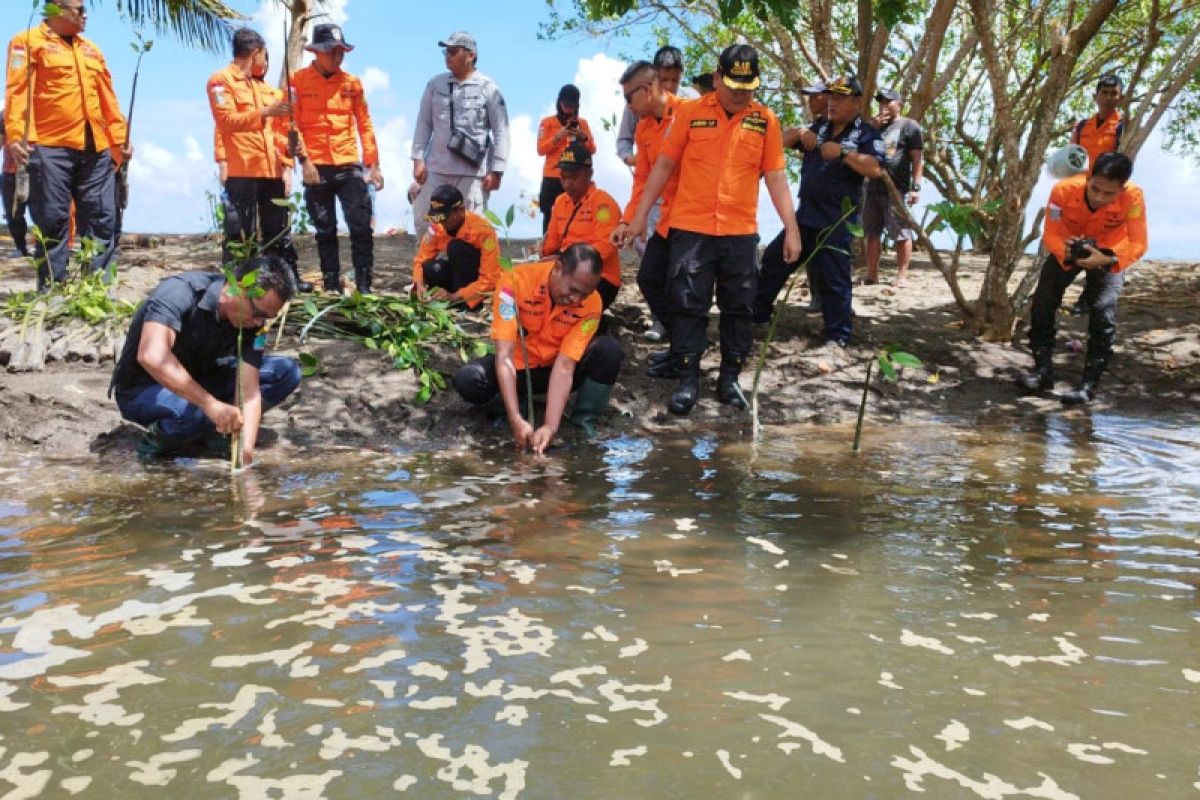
992,610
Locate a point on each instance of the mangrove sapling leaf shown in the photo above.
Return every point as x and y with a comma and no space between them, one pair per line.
247,286
890,360
310,365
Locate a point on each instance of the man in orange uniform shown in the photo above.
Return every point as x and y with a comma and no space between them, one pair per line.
332,115
250,117
556,304
655,108
1095,224
75,121
722,143
459,259
1101,133
554,134
585,214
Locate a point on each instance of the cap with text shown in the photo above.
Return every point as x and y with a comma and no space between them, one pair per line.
738,66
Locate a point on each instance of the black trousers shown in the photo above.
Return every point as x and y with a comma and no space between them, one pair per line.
698,264
252,215
17,226
58,175
343,185
652,278
829,278
1102,290
608,293
458,268
551,189
773,274
477,382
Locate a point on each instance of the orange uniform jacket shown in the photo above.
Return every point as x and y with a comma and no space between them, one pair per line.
253,147
592,221
477,232
552,150
648,138
720,160
72,92
1120,226
332,116
524,293
1099,137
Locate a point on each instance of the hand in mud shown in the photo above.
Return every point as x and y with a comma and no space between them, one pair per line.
419,290
541,439
227,418
522,433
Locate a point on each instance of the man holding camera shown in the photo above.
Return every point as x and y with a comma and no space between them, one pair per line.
1095,224
461,136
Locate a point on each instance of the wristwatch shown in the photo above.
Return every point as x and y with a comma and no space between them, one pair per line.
845,151
916,186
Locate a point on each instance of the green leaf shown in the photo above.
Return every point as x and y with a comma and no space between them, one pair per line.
509,216
310,307
51,10
906,360
855,229
423,395
492,218
847,206
310,365
282,202
885,367
370,343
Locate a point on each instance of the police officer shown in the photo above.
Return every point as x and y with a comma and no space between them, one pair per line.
175,374
838,153
459,261
1095,224
75,121
723,144
461,135
585,214
332,116
556,303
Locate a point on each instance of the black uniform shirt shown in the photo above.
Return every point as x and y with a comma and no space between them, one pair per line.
824,183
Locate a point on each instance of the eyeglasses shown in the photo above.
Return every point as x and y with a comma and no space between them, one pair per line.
452,50
632,93
256,311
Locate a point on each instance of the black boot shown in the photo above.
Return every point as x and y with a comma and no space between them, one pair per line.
1086,391
362,280
301,284
658,357
728,391
663,366
1041,378
688,391
332,282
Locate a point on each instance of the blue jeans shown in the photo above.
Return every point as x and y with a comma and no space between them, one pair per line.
179,419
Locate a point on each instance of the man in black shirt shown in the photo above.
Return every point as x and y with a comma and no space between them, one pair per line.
176,373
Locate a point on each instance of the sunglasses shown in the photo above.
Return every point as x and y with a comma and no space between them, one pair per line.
79,10
632,93
453,50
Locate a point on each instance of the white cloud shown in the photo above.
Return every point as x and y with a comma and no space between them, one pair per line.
375,80
192,149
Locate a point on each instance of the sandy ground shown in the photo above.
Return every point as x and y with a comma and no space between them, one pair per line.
359,400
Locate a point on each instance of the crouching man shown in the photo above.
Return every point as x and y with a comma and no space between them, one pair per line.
556,303
176,374
1095,225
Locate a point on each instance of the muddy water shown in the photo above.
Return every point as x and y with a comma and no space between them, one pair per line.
1002,609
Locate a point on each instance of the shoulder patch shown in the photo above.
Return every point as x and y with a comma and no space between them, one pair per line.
603,214
508,305
704,123
1135,211
17,61
489,244
1054,212
590,325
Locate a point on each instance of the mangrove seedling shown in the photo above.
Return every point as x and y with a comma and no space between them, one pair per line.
507,265
246,286
890,360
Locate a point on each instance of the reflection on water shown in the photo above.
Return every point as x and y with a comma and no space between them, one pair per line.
1000,610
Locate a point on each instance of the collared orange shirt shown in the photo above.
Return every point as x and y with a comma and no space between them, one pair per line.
591,221
648,138
332,116
253,147
523,293
552,150
720,161
72,92
475,231
1120,226
1099,137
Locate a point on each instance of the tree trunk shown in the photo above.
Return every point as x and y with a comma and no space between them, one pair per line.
298,11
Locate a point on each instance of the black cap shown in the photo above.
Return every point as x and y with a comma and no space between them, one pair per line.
888,95
326,38
444,200
816,88
568,95
845,85
574,157
1109,79
738,65
668,57
703,81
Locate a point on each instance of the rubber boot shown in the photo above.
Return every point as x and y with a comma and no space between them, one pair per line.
332,282
156,444
590,400
362,280
663,366
728,391
688,391
301,284
1086,391
658,357
1041,378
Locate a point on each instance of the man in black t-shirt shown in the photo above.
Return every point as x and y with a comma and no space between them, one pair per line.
176,374
904,146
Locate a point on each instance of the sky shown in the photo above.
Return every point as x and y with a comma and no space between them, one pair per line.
397,53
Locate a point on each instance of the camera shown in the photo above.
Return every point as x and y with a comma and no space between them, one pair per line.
1079,250
573,123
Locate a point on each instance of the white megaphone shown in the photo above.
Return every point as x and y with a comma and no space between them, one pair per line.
1066,161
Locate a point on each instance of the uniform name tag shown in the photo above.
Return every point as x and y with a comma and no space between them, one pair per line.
756,124
704,123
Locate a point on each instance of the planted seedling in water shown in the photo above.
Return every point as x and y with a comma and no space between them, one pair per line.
507,265
890,360
247,286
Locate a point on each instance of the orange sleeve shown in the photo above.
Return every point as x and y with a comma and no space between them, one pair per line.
1055,234
220,101
1136,240
773,159
16,90
429,249
504,308
553,238
489,266
110,107
218,147
546,131
590,142
576,342
366,128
